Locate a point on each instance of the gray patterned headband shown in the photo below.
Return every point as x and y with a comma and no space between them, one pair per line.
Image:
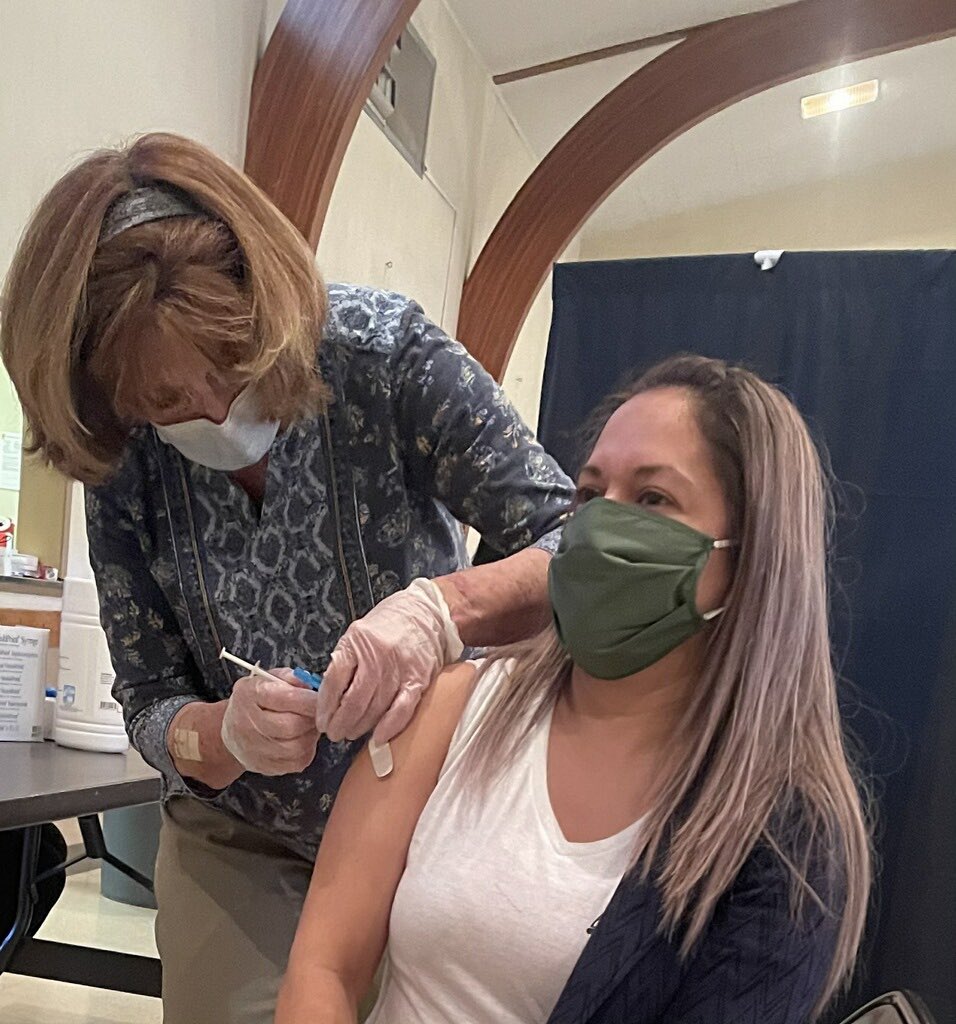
144,204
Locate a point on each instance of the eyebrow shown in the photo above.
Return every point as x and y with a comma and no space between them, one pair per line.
642,474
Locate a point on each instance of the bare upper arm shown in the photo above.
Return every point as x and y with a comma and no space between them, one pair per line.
344,923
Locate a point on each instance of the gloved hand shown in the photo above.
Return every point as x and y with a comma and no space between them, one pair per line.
384,662
269,727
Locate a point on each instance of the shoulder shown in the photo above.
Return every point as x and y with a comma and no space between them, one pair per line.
430,733
446,699
368,319
418,754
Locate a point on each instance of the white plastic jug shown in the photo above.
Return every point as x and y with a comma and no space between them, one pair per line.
87,717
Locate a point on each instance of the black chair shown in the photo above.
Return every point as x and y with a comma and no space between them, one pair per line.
893,1008
33,863
36,855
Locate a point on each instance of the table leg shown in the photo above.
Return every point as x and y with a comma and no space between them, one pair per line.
95,843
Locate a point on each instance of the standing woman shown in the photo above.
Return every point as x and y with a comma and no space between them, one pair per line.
275,469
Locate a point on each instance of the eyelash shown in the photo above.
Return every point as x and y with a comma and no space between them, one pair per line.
584,494
655,494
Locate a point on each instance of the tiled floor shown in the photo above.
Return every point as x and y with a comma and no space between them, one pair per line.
82,915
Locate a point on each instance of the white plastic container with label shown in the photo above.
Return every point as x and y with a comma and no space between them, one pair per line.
87,717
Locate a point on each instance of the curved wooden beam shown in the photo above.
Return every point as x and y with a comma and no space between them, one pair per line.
715,67
307,95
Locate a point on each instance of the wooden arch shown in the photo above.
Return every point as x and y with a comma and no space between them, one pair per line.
713,68
307,94
324,55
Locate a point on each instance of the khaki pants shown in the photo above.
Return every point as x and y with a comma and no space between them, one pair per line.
229,899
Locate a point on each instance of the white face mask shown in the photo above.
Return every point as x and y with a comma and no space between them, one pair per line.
239,441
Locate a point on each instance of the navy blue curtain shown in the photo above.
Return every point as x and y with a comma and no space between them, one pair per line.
865,343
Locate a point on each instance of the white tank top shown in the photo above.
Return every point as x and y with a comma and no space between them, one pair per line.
494,906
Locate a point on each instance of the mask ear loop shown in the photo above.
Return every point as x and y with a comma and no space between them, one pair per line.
707,616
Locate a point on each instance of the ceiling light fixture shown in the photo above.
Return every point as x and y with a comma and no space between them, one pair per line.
840,99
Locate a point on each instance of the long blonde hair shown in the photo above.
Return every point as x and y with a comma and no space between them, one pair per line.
239,284
760,757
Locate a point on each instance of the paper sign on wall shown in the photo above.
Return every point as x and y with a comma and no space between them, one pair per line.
11,454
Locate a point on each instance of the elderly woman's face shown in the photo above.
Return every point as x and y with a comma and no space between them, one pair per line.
184,385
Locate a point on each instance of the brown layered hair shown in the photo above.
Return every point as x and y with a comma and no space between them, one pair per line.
759,757
77,315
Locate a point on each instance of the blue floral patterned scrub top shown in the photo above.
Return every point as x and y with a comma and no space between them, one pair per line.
359,501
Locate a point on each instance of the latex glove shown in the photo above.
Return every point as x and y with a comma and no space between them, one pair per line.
384,662
269,727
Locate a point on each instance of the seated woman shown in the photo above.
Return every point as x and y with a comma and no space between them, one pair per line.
645,815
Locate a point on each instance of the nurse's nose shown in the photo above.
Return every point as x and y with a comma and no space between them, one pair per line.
207,400
213,406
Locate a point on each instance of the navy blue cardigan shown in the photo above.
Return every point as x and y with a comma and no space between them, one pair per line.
753,965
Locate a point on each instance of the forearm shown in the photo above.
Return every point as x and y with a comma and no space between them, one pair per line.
313,995
194,741
501,602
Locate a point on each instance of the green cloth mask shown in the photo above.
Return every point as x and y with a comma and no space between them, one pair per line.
623,586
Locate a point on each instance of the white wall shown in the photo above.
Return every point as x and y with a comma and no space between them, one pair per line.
388,227
506,162
910,204
89,73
